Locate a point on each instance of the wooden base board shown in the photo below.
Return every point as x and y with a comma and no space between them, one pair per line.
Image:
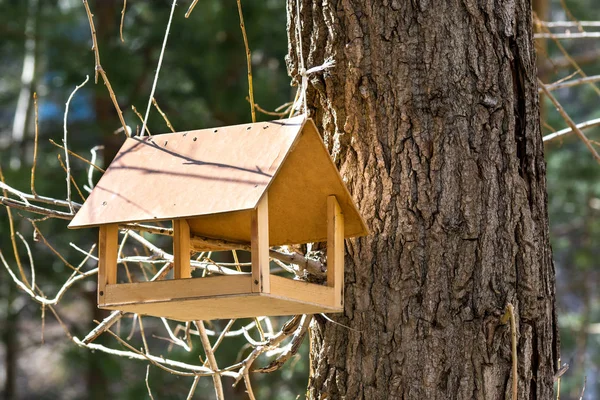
219,297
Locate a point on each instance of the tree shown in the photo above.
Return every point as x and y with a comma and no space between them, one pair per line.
432,116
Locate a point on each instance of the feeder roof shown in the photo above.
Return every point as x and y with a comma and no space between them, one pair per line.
215,177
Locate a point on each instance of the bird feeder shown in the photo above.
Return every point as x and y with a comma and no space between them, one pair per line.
263,184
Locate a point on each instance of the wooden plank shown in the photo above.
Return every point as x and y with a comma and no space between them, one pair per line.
259,227
177,290
335,250
305,292
108,248
181,249
233,306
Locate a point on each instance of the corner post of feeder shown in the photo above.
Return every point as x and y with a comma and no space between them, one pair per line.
335,250
259,229
108,247
181,249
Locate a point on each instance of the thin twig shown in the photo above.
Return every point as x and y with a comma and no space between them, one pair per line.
569,121
271,113
12,203
193,388
162,114
94,41
93,151
113,97
572,61
248,385
189,11
52,249
152,359
122,20
578,35
147,383
99,70
40,299
291,349
136,112
91,164
31,263
212,361
72,179
584,125
571,83
160,362
569,24
11,225
248,61
160,60
143,334
175,339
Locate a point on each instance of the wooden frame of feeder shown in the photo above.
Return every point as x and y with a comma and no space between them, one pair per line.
269,184
225,296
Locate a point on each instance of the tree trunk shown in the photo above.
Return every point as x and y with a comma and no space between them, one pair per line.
431,113
22,119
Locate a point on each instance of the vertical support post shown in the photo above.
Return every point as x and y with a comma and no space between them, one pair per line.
335,250
181,249
259,244
108,247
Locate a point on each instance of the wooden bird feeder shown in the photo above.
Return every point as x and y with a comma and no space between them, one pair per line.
264,184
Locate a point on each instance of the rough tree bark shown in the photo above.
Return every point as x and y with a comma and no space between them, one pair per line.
432,115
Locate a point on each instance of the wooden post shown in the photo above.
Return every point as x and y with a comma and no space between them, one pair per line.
335,250
108,248
259,229
181,249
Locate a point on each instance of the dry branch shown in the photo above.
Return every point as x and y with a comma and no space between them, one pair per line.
567,35
569,121
248,61
571,83
212,361
584,125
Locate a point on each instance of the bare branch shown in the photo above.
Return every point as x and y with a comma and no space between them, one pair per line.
147,383
189,11
584,125
162,114
98,67
87,78
122,20
569,121
568,24
248,61
160,59
567,35
91,164
571,83
212,361
11,203
194,385
11,224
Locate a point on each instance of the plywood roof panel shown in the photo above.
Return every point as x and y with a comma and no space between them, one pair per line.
212,177
189,174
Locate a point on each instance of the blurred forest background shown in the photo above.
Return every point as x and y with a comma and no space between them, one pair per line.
45,48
